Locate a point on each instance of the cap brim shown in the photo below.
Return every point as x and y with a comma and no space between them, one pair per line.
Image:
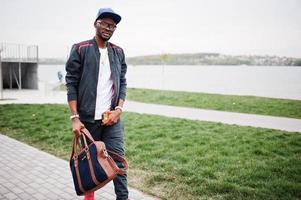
116,18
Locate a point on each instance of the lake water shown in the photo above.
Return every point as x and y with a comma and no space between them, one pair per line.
269,81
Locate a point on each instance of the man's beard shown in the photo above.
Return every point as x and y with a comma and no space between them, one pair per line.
105,39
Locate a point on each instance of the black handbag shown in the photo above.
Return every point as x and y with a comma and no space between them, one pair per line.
93,167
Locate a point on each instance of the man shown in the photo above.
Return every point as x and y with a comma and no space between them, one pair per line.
96,86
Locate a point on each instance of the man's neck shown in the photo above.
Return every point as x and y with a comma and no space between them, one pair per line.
100,43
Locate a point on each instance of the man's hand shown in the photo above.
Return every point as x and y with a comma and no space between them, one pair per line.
114,116
77,125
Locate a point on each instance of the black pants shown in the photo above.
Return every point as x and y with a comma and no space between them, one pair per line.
112,136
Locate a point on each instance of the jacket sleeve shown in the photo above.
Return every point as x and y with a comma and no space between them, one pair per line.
73,71
123,83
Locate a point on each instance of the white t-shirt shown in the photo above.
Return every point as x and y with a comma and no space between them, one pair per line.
104,85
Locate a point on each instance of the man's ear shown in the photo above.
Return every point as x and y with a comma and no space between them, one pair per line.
96,24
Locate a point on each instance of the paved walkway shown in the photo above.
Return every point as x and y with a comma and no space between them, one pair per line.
280,123
262,121
28,173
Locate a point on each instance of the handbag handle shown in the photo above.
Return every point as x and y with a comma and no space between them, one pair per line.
84,133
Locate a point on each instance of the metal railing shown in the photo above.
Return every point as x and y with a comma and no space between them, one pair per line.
19,52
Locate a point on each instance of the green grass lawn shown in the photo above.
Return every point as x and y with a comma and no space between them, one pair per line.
179,159
243,104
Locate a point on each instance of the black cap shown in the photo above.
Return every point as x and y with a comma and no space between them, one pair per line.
108,12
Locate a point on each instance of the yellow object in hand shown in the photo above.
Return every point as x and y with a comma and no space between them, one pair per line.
105,117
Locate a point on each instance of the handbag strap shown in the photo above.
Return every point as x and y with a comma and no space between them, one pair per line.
121,159
74,145
85,133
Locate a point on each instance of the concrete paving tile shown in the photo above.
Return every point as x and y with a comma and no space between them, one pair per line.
108,195
39,180
102,197
5,175
25,196
34,185
30,191
59,185
65,195
21,185
16,190
27,179
15,179
9,185
44,190
70,190
3,190
39,196
53,191
10,196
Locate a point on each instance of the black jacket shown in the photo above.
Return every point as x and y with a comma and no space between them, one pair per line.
82,69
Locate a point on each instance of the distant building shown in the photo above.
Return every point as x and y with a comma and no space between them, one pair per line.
19,66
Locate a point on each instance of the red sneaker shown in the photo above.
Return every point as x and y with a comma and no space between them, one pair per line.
89,196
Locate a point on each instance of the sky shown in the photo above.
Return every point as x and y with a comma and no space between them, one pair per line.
234,27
